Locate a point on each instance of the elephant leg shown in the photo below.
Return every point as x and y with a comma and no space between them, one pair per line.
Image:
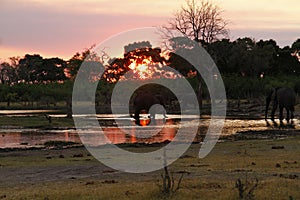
152,116
273,112
292,114
281,115
287,114
164,116
137,116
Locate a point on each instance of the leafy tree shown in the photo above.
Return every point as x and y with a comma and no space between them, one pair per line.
268,51
35,69
286,63
220,51
75,62
137,45
296,46
245,57
10,97
8,73
141,52
29,67
52,70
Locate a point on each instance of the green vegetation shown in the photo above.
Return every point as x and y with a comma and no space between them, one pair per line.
37,121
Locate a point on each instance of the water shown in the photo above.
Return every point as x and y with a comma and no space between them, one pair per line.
129,133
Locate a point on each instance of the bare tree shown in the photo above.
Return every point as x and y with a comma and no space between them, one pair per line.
201,22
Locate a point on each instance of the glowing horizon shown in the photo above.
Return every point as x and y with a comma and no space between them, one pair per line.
60,28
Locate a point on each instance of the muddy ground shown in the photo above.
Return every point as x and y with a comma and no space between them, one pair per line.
56,164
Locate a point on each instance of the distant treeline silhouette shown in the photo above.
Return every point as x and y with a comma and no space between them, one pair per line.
248,67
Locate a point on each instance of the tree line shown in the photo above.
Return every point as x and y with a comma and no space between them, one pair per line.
248,68
243,57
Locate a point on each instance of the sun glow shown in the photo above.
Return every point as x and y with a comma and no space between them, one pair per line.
144,69
140,64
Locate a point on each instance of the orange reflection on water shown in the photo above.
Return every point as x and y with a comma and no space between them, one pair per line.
117,136
167,133
145,122
33,138
10,140
114,135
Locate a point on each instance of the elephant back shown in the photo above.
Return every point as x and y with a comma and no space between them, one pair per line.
145,101
286,97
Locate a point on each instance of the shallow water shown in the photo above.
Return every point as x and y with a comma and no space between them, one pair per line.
127,132
25,112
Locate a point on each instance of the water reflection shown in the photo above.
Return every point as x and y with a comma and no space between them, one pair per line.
132,134
34,138
11,138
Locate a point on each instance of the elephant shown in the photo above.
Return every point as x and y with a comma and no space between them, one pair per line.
143,102
284,98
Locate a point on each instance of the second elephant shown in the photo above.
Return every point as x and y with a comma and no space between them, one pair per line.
284,98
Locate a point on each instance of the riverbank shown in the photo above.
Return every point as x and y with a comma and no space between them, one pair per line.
72,173
34,121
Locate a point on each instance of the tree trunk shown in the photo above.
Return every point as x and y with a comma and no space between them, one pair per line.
199,95
200,91
69,107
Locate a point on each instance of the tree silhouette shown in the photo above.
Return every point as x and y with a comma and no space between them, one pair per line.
8,73
137,53
29,67
53,70
36,69
202,22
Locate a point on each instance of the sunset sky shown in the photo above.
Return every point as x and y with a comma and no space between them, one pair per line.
63,27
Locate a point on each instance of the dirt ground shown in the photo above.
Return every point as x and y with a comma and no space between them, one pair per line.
50,165
269,154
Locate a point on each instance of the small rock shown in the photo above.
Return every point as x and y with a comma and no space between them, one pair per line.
109,181
108,171
278,165
293,176
90,183
128,193
80,155
277,147
183,172
186,156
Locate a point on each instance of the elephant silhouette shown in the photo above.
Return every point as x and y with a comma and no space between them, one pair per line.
145,102
284,98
